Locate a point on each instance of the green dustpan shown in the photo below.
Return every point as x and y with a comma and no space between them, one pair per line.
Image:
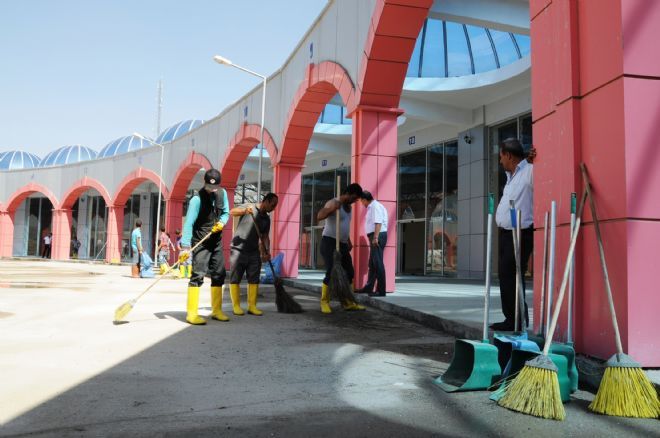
474,365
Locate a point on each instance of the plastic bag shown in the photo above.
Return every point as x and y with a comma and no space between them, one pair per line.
268,277
146,266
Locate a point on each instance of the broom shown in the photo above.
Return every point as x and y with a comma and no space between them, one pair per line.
536,389
123,310
284,302
338,283
625,390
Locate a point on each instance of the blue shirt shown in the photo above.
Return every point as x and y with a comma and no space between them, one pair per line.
135,235
191,217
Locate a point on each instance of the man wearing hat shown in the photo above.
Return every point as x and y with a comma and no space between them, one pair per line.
208,212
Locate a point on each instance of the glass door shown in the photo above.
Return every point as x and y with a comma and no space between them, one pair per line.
411,213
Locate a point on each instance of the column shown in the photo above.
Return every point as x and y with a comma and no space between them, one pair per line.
286,218
6,233
61,243
374,167
114,235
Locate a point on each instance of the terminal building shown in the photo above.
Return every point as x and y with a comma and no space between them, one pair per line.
409,98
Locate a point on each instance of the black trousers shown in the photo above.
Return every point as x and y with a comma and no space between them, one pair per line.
244,262
208,261
46,252
376,265
507,270
327,252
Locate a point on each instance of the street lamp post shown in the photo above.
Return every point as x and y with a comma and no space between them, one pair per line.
160,190
224,61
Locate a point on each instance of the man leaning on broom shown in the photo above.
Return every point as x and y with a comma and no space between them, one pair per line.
342,203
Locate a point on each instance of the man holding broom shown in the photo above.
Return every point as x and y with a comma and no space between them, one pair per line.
248,250
343,203
208,212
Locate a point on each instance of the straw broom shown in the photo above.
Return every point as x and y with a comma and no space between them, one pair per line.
625,390
338,284
536,389
284,302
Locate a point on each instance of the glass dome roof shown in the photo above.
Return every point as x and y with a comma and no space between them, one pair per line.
125,144
18,160
176,131
68,155
447,49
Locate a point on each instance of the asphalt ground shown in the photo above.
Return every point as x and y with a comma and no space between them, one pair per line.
67,370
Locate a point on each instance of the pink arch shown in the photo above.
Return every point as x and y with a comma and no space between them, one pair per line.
321,83
81,186
387,51
247,137
19,196
134,179
186,172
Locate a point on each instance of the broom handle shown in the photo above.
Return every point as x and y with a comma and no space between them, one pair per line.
337,215
603,264
551,262
571,278
172,267
544,273
564,281
514,235
521,278
489,246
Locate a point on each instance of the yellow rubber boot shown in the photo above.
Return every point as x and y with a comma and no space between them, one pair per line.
325,299
182,271
253,290
193,304
350,304
163,268
189,271
235,293
216,303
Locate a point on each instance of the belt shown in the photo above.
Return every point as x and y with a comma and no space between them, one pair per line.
530,228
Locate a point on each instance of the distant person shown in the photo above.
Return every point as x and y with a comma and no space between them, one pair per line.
185,267
375,226
75,247
48,238
164,246
136,246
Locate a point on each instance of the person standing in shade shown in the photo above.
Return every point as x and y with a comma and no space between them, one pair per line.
136,246
519,188
208,212
375,227
48,238
164,245
328,213
247,251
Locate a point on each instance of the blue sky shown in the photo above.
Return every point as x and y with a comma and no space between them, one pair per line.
86,72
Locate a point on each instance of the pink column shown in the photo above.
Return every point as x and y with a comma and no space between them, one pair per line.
173,221
115,228
594,99
6,233
374,167
61,243
227,232
286,219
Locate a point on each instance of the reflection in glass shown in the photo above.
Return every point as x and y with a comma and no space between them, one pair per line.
412,185
458,56
506,50
482,50
433,55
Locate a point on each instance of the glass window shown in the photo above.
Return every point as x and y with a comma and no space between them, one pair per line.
412,185
306,201
413,65
523,44
482,50
324,190
433,52
526,132
506,51
345,120
458,56
332,114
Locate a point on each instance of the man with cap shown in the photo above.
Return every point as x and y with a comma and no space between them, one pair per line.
247,250
342,203
208,212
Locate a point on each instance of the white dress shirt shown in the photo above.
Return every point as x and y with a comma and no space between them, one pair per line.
376,214
519,188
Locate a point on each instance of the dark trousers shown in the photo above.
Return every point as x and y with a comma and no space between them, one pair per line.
328,251
507,270
376,264
208,261
244,262
46,252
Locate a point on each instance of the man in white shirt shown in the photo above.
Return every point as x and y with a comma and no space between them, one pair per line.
375,227
519,188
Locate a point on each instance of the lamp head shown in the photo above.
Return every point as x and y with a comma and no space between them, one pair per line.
222,60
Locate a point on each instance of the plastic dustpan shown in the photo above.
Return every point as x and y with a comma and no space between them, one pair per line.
473,367
568,352
506,343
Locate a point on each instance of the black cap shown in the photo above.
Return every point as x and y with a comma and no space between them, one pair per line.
212,177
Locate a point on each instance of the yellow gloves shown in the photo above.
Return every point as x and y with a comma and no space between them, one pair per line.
217,227
185,255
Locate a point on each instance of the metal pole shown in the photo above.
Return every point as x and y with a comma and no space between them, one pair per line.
160,194
551,263
261,145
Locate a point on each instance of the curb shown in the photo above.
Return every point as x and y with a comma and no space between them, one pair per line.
453,328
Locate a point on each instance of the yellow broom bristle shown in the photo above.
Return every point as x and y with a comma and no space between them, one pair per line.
122,311
626,392
535,392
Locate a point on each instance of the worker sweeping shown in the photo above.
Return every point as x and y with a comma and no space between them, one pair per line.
247,251
342,204
208,212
